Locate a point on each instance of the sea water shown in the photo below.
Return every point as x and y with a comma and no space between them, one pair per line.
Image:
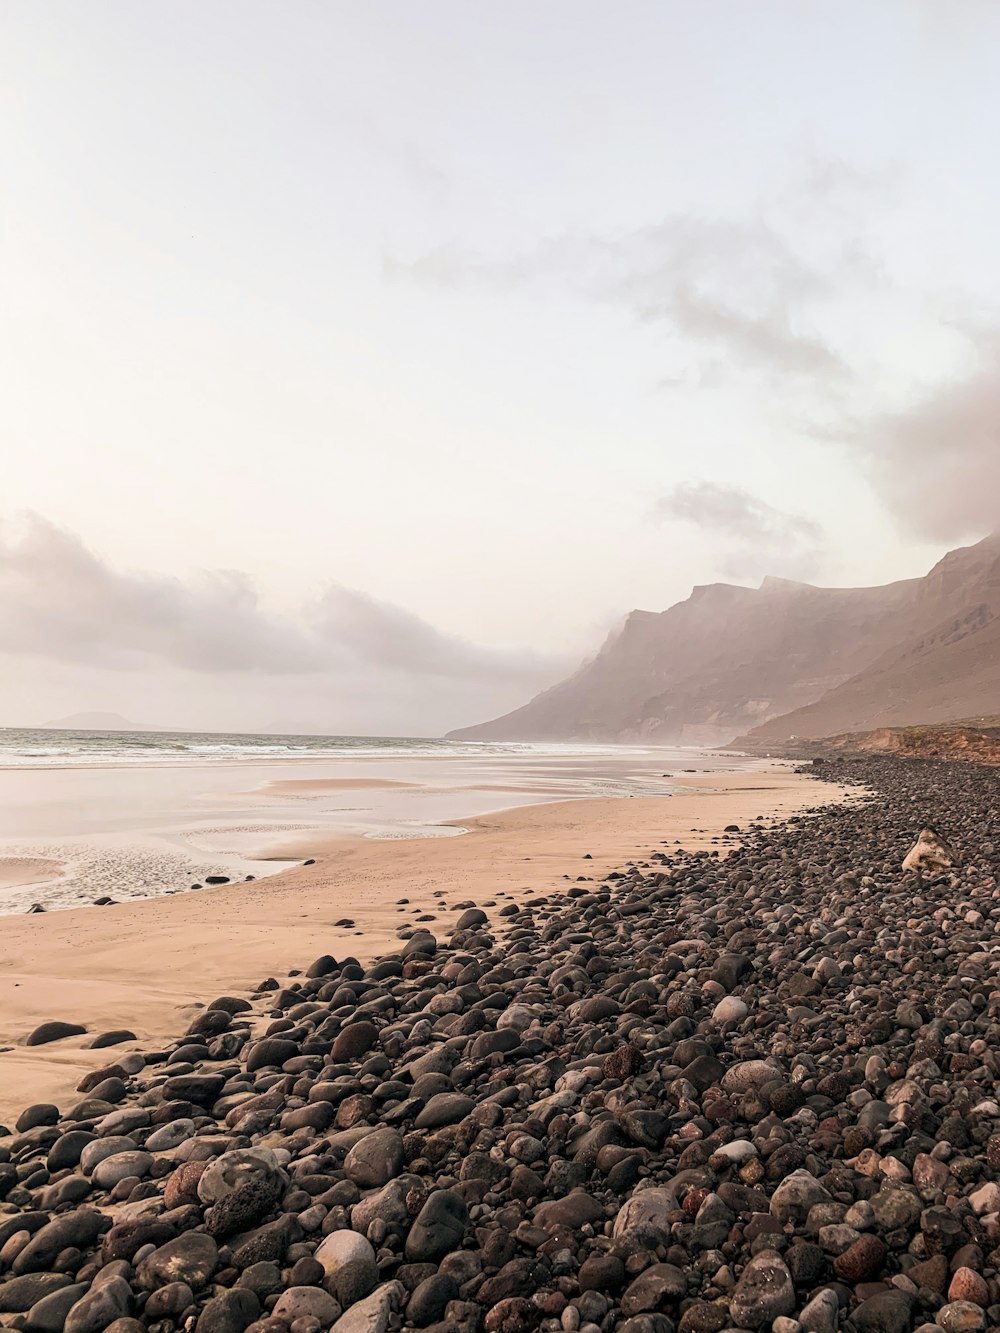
132,814
50,747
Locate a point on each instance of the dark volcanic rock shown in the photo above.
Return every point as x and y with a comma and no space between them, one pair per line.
444,1108
887,1312
101,1306
53,1031
438,1228
244,1206
375,1160
862,1260
77,1230
21,1293
49,1314
229,1312
191,1258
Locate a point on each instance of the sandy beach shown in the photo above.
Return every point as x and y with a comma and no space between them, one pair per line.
149,965
18,871
92,824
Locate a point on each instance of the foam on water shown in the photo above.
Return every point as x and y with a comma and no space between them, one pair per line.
116,869
139,814
45,748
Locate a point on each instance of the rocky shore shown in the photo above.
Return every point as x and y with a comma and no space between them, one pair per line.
953,741
708,1092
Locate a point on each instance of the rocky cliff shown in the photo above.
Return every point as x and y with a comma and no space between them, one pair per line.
785,659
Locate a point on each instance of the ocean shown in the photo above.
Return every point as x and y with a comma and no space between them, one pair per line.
48,748
131,814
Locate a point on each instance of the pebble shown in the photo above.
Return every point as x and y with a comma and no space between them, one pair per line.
55,1030
340,1248
373,1313
758,1091
763,1293
730,1010
961,1317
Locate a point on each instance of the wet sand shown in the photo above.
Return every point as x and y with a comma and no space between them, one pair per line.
131,831
16,871
134,831
148,965
318,786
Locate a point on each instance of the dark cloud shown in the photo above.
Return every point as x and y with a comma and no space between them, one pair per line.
754,538
60,601
936,464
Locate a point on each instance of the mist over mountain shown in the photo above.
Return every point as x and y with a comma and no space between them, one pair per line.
785,659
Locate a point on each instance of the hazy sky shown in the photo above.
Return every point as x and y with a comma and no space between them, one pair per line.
363,363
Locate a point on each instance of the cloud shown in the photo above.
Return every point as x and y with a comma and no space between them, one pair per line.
60,601
395,639
936,463
736,290
755,536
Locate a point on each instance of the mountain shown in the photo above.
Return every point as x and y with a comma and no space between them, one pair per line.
92,722
770,660
944,668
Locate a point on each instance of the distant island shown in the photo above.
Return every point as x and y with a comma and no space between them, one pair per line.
93,722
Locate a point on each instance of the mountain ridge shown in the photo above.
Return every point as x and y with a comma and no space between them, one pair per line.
947,670
785,658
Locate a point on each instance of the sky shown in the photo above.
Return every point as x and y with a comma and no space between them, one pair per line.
363,364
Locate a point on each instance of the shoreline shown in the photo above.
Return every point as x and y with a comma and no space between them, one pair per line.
478,750
93,966
136,831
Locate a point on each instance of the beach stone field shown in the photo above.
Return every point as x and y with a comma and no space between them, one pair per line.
747,1091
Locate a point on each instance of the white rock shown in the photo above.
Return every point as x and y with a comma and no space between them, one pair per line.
561,1100
122,1121
97,1150
730,1009
738,1152
340,1248
750,1074
575,1080
169,1136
